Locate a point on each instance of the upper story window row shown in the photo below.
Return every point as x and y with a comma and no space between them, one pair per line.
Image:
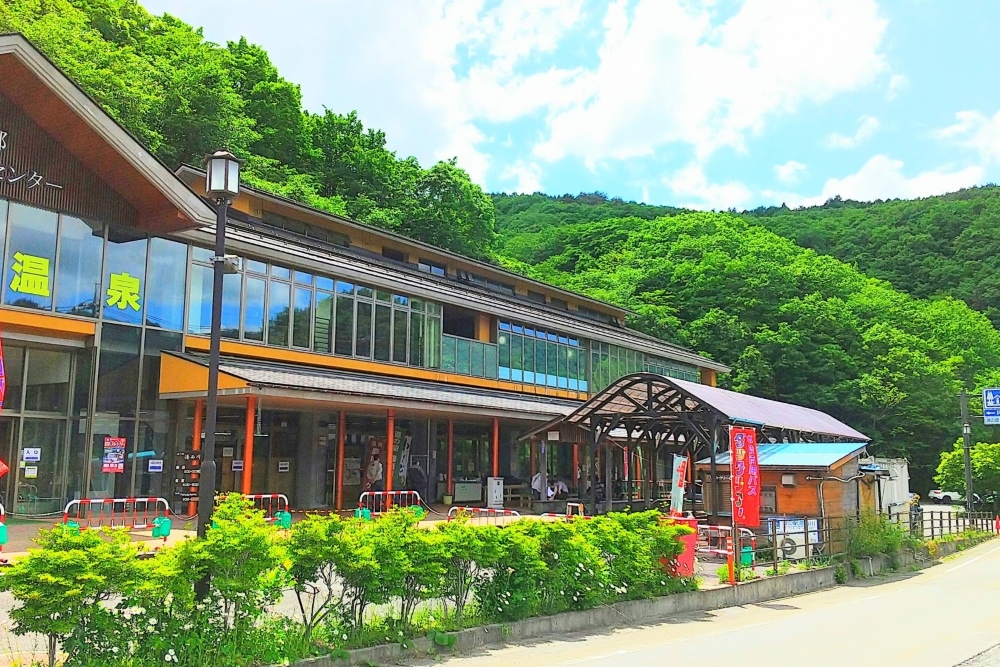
60,263
284,307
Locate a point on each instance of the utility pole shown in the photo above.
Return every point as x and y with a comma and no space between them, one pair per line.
967,443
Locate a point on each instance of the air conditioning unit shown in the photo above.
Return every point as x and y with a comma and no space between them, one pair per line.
792,540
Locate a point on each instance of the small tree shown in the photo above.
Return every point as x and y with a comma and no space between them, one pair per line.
61,585
312,571
463,549
242,558
985,459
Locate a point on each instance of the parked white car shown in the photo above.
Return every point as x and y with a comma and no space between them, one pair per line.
947,497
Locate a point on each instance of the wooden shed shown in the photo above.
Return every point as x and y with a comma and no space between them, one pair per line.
801,479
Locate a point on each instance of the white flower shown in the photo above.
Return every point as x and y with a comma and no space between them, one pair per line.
170,656
555,556
345,636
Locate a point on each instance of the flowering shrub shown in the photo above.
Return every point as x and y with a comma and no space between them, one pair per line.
355,582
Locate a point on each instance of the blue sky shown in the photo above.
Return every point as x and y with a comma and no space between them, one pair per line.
712,104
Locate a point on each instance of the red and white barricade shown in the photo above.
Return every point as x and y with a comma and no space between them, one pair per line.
715,540
490,515
573,511
128,513
378,502
270,503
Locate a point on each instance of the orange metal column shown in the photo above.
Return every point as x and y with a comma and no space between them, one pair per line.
390,437
341,441
451,457
496,446
248,426
199,408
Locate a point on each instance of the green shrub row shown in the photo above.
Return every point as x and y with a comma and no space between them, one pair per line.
353,582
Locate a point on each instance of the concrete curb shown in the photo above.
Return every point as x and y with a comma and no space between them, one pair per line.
628,614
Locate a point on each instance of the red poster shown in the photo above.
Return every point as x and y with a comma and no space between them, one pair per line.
745,476
114,455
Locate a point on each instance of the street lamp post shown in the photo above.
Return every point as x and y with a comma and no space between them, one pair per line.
967,445
222,184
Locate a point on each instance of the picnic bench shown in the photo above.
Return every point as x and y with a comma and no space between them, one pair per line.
519,493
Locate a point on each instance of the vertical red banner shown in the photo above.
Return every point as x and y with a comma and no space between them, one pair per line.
744,476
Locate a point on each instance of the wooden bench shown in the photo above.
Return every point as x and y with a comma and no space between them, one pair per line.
517,492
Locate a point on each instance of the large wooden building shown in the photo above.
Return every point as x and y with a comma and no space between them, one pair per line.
339,339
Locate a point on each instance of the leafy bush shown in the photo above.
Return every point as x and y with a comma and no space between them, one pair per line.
61,585
91,592
873,535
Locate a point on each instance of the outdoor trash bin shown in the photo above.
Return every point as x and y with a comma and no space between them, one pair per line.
746,557
161,527
363,513
3,534
283,519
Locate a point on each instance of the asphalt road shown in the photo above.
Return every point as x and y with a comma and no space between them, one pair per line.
879,622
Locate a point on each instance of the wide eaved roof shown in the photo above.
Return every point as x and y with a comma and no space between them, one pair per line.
755,410
798,454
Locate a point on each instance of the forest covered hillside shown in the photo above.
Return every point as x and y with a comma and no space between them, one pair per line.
945,245
795,324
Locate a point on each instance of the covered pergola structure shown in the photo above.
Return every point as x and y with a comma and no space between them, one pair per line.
654,415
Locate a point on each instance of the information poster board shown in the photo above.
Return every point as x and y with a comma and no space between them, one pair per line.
114,455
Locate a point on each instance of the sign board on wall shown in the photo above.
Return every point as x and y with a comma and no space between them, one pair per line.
991,406
32,454
283,466
744,476
31,472
237,465
114,455
155,465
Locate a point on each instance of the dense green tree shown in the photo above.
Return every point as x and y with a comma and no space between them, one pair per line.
795,326
184,97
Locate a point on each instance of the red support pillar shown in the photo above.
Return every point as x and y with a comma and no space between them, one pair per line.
247,479
199,409
390,438
451,457
341,442
496,446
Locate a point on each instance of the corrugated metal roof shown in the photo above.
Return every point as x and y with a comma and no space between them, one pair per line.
307,378
799,454
752,409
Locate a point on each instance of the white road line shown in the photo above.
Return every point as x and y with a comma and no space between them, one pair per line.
972,560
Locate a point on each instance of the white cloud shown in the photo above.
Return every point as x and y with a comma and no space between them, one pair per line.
614,82
671,71
882,178
528,177
691,182
897,83
867,126
976,131
790,172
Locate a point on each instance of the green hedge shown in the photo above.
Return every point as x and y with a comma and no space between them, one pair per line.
355,583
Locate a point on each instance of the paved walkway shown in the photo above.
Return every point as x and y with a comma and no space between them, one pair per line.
872,622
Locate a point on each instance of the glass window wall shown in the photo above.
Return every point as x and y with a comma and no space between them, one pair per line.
535,356
30,258
78,276
124,276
